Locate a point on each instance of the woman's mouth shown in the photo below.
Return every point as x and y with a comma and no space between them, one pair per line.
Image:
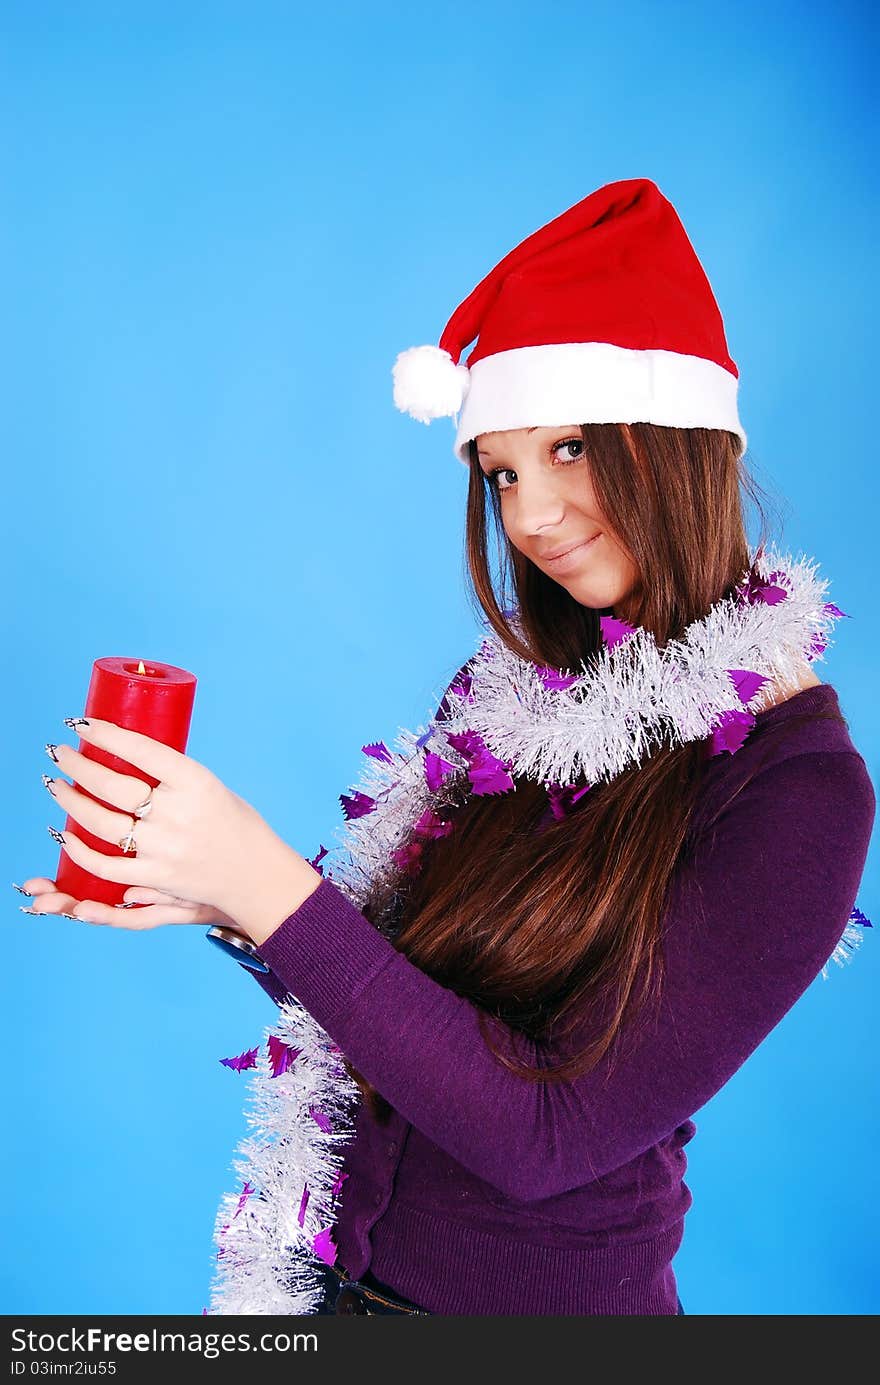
572,557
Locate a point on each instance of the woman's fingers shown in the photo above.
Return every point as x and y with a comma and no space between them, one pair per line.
199,913
154,907
46,898
38,884
144,916
144,894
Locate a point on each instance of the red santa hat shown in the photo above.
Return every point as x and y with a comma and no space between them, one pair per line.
604,315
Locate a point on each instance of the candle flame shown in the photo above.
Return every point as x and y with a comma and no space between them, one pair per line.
141,668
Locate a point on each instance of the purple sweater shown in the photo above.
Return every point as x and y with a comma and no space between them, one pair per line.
487,1194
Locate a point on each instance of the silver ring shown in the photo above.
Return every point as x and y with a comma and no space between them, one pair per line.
128,843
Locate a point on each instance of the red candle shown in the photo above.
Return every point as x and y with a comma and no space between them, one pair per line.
155,699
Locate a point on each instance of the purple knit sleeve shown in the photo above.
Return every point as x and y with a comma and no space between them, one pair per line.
752,918
275,988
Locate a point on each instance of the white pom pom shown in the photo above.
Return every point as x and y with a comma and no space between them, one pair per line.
427,384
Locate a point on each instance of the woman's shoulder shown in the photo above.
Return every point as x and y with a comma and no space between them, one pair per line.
780,692
797,744
796,719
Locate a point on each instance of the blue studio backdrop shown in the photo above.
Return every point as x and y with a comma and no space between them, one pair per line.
221,225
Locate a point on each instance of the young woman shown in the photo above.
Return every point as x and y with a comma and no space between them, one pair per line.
628,840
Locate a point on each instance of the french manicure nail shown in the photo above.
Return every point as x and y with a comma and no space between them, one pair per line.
126,905
21,889
56,836
73,917
51,747
48,782
74,722
25,910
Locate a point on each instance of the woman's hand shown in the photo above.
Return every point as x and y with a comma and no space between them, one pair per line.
203,853
160,908
200,843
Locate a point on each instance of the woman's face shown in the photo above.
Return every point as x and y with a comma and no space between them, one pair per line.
548,505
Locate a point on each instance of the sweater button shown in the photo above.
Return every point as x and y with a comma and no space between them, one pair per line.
392,1148
377,1199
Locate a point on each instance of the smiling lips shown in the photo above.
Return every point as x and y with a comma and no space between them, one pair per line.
572,553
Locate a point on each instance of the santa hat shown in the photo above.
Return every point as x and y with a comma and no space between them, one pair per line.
604,315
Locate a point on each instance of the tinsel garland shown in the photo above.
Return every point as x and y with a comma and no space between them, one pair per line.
506,718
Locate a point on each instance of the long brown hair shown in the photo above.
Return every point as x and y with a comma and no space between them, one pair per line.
538,929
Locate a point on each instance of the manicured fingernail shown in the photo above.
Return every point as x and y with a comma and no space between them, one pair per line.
51,747
56,836
127,905
48,782
25,910
74,722
21,889
75,918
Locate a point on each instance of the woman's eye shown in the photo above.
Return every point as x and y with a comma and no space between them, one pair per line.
494,475
566,461
572,442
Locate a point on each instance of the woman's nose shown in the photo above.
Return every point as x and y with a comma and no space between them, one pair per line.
538,505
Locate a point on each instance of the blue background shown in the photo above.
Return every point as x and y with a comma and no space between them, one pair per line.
221,224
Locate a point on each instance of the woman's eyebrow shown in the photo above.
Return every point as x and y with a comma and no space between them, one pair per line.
482,452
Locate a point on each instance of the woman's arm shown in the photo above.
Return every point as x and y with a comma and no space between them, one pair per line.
275,988
752,919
